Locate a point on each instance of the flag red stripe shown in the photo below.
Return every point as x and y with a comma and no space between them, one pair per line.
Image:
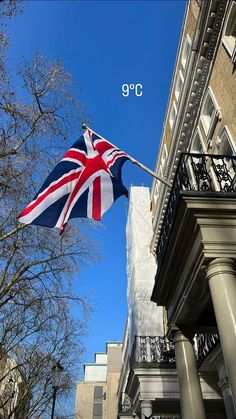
110,162
50,190
101,147
92,166
76,155
96,206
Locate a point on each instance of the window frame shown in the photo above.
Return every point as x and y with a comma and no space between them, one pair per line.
97,410
231,49
179,92
216,115
203,144
224,131
172,120
184,55
98,393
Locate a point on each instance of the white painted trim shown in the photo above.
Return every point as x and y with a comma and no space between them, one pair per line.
179,92
225,129
184,59
198,132
172,116
229,48
215,115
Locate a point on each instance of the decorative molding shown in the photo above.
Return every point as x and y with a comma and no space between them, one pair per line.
127,405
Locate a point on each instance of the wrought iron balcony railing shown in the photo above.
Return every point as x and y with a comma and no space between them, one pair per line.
205,344
153,349
202,173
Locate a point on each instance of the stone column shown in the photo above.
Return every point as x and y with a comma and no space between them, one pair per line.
223,384
146,409
191,400
222,283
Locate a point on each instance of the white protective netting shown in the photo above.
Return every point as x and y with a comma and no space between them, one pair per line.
144,317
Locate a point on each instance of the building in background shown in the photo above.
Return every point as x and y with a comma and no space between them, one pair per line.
96,395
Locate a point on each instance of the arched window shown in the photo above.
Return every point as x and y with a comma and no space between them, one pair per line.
186,51
197,144
179,86
224,147
223,144
229,37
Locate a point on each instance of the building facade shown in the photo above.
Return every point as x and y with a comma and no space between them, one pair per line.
96,395
194,227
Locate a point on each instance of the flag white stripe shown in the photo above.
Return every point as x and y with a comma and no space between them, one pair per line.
90,201
107,195
86,185
91,153
50,199
73,161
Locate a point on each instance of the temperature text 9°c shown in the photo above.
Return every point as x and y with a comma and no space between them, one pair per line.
136,89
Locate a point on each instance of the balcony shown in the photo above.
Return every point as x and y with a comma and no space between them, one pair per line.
153,350
198,226
205,343
202,173
149,374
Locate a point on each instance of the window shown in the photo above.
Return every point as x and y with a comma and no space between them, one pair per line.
163,159
97,402
97,410
229,37
179,86
223,144
207,113
210,114
197,145
173,113
98,393
186,51
225,166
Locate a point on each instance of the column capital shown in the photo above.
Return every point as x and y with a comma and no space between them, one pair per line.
146,408
223,383
220,266
178,335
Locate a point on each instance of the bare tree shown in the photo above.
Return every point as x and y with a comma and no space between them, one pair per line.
39,116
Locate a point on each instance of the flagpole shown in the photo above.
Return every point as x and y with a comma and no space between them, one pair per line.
84,126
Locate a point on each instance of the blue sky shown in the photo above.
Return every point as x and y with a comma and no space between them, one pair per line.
106,44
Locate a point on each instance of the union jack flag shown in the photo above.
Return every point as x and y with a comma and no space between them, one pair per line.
85,183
